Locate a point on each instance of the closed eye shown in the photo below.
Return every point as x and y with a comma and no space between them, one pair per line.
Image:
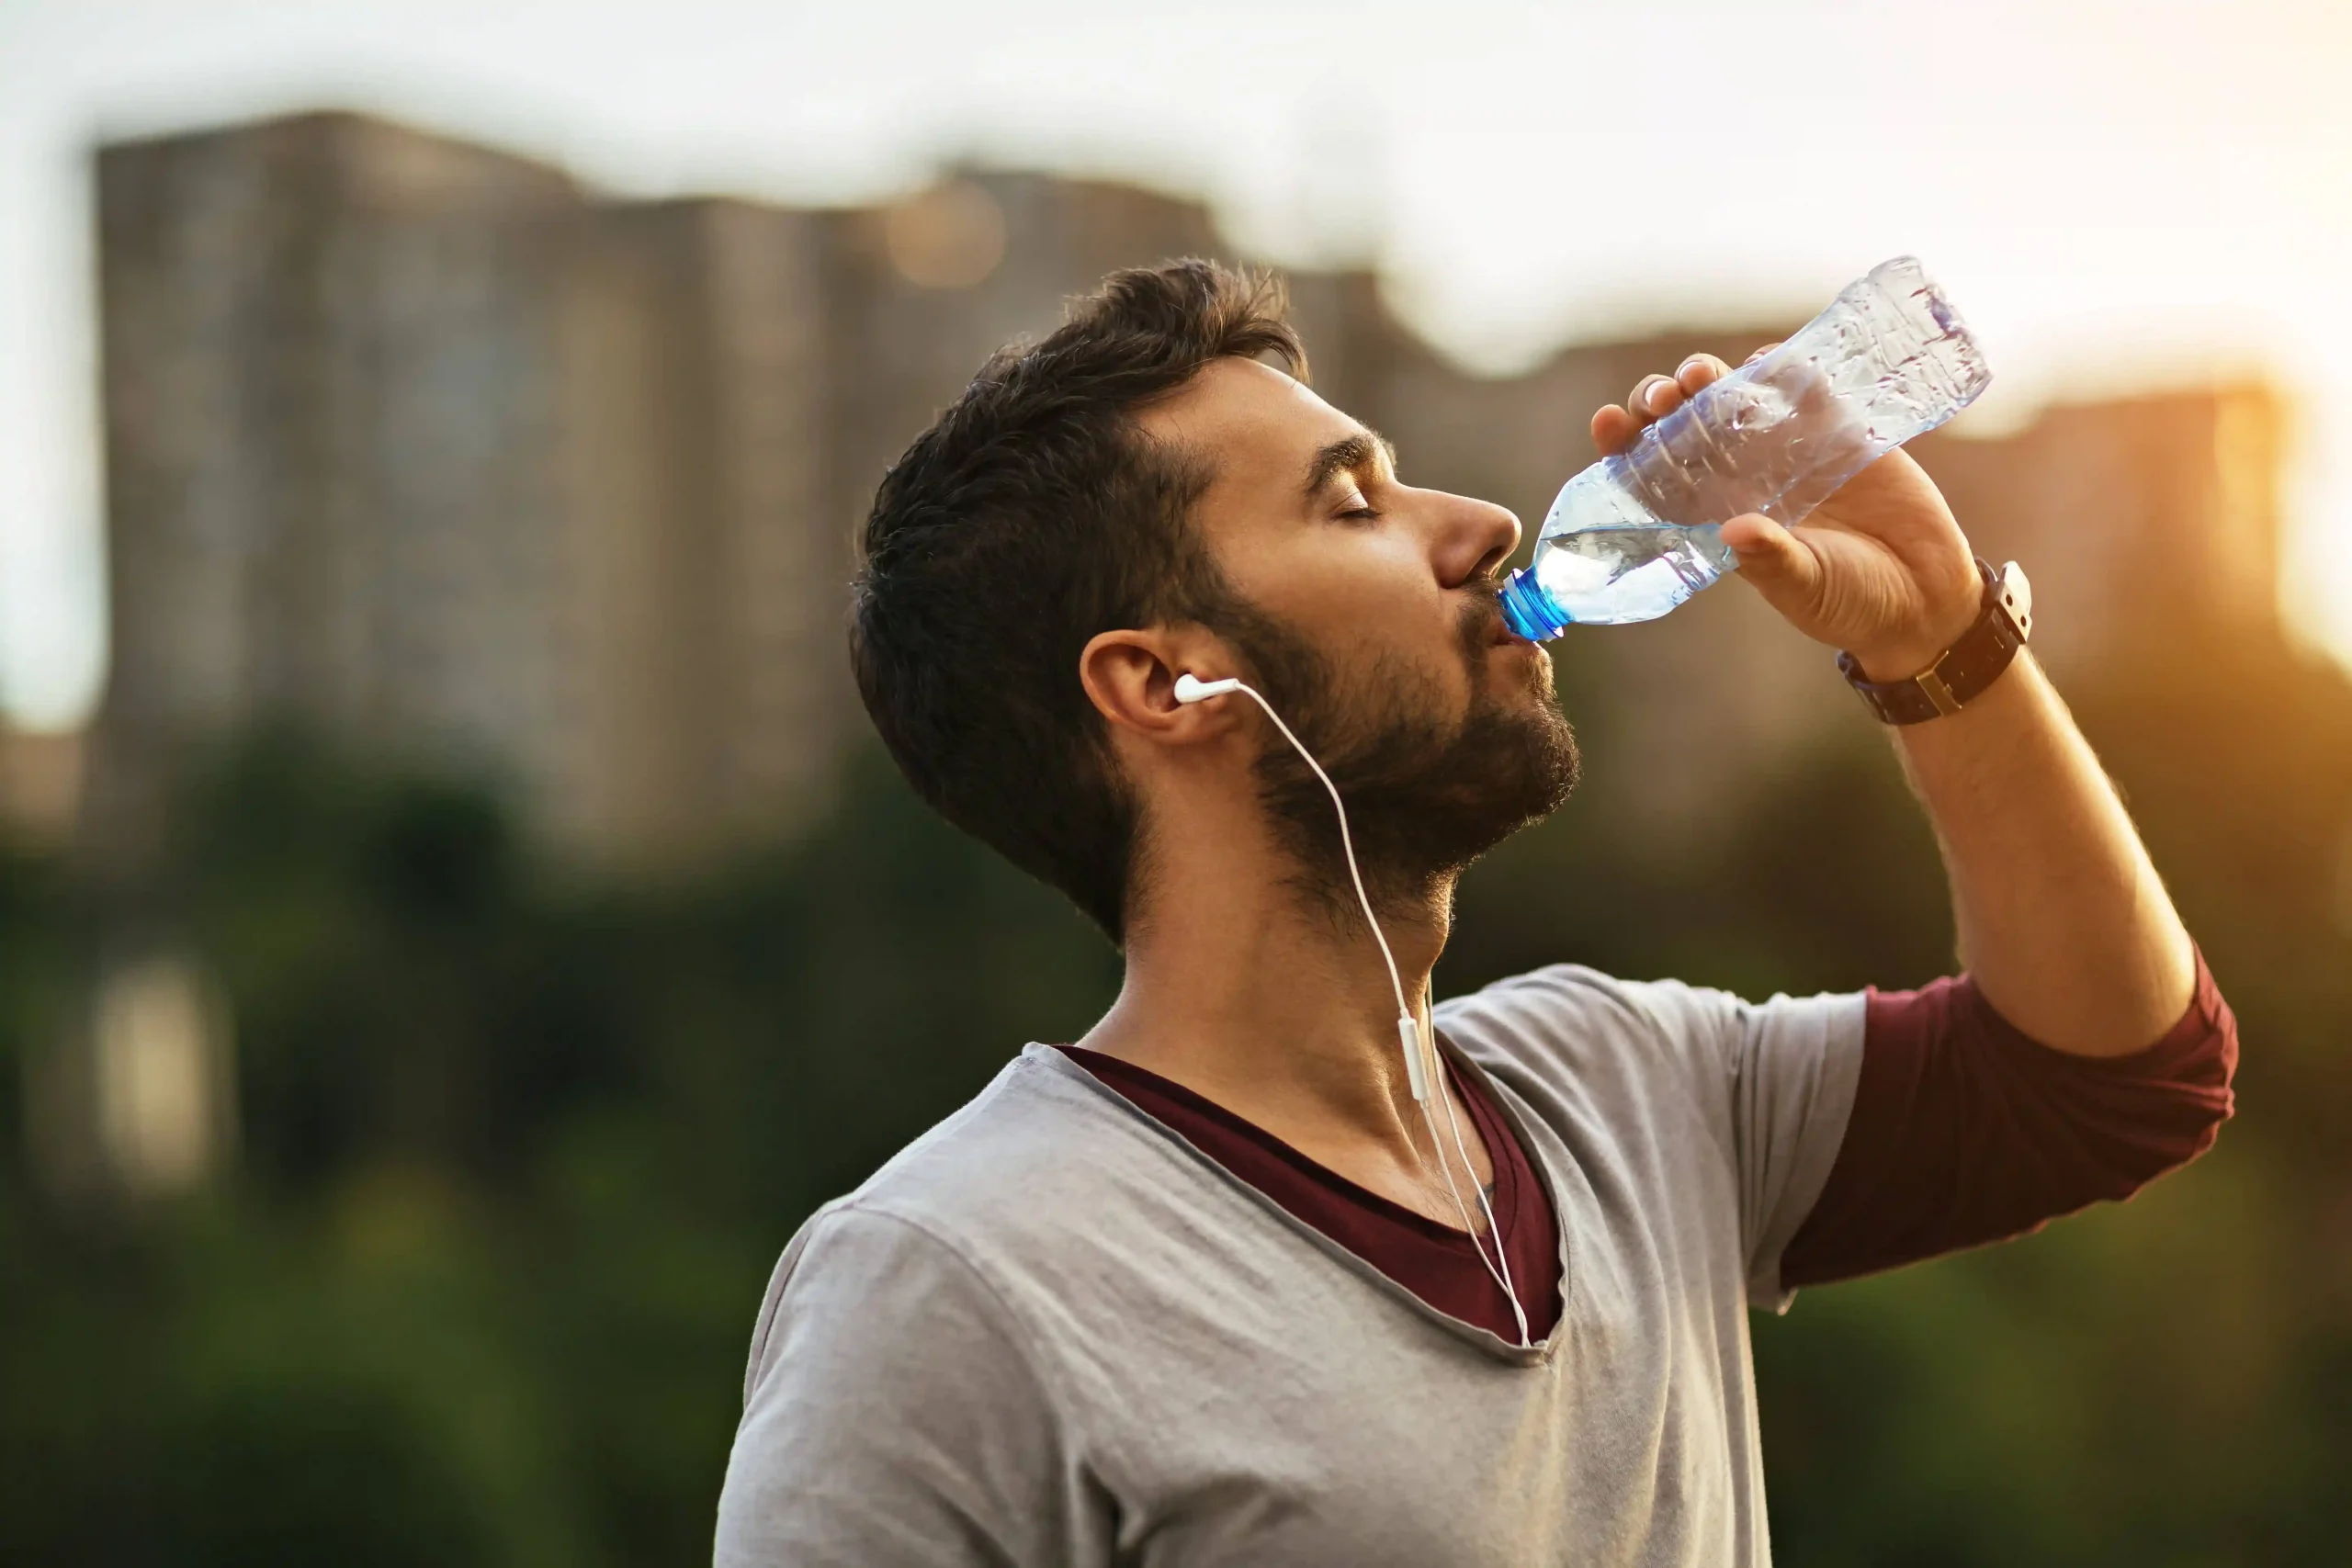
1362,456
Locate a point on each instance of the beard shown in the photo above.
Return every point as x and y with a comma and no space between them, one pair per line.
1426,793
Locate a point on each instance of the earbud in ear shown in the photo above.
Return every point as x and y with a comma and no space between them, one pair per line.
1190,688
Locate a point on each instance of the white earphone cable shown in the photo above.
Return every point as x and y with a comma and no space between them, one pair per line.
1347,847
1425,1079
1500,1267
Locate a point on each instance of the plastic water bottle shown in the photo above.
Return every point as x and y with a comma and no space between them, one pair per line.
1637,534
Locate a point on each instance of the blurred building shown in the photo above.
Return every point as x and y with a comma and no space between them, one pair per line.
426,446
414,443
41,784
422,445
330,394
2146,522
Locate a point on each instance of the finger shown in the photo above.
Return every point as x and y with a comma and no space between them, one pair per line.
1776,563
1700,370
1654,396
1613,430
1759,353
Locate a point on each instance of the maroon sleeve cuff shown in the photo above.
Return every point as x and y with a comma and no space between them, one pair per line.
1966,1130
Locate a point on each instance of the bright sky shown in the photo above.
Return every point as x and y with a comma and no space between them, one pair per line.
2117,194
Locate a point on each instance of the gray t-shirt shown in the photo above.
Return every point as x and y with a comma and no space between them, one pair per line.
1051,1331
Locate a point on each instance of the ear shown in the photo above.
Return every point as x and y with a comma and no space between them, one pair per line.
1130,677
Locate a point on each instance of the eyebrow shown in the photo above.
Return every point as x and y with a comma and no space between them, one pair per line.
1350,453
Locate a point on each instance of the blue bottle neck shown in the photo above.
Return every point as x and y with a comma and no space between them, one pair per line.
1529,611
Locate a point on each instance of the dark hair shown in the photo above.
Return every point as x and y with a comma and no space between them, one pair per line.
1032,514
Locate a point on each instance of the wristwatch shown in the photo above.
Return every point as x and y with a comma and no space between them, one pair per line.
1967,667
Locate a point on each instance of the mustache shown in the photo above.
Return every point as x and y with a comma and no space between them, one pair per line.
1482,613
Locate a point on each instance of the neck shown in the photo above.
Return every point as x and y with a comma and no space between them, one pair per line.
1275,1005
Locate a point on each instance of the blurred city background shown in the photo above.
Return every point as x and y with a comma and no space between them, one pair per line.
454,922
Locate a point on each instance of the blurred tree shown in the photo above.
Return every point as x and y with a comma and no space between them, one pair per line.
519,1156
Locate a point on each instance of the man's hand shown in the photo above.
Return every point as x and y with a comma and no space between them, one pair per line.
1880,569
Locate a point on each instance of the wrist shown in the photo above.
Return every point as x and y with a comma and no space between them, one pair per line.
1943,683
1901,658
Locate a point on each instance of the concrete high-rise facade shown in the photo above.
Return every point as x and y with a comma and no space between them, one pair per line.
329,387
699,698
422,445
425,445
41,786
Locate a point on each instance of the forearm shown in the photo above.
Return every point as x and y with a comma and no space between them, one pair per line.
2062,917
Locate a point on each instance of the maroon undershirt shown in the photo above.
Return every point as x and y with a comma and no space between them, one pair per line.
1966,1130
1436,1262
1963,1131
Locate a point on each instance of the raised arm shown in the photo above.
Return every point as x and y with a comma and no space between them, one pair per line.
2062,920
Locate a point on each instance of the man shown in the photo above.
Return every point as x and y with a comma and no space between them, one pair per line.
1203,1287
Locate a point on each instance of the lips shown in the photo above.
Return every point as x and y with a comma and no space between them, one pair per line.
1482,626
1482,617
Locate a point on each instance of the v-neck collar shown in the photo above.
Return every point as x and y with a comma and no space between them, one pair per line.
1537,1155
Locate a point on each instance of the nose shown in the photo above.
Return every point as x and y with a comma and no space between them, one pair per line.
1474,537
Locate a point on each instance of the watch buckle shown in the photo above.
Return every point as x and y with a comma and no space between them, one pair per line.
2016,598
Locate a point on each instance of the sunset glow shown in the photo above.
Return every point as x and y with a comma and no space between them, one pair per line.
2120,197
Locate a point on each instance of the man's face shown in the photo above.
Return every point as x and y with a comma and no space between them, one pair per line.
1367,615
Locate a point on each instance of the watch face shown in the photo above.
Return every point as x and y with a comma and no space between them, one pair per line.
2016,598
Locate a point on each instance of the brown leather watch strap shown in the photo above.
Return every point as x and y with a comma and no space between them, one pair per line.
1967,667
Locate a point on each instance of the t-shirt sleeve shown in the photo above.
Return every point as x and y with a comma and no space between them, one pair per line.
1779,1075
892,1413
1965,1130
1764,1087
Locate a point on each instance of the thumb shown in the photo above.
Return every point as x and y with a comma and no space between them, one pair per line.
1775,562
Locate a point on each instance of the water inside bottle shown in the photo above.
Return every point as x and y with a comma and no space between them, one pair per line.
1611,576
1635,535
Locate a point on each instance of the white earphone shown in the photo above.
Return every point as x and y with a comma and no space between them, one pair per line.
1422,1067
1190,688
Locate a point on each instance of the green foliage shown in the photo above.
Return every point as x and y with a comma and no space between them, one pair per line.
519,1152
517,1159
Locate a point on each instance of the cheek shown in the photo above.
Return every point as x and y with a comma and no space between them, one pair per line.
1344,586
1368,600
